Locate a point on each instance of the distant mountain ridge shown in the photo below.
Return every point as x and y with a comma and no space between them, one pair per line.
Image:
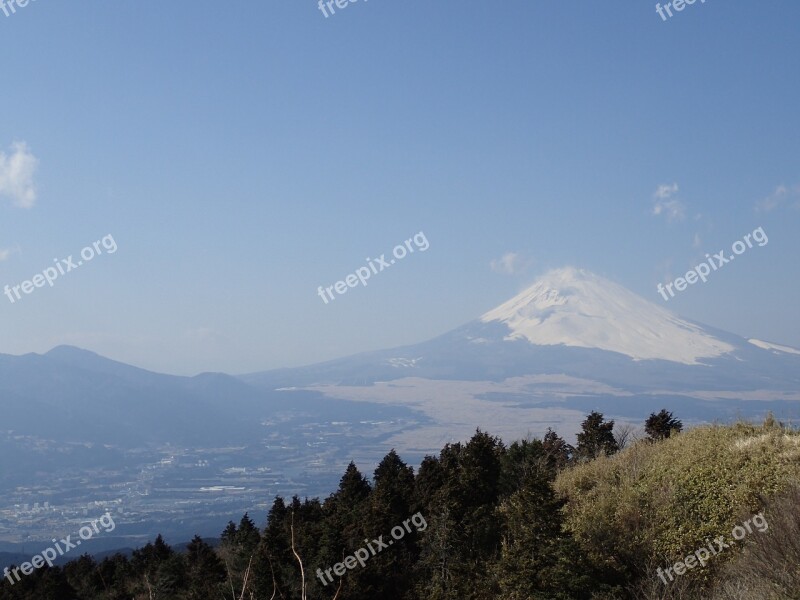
569,323
67,391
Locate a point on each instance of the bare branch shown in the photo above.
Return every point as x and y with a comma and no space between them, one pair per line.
230,580
274,582
149,587
299,560
341,581
246,576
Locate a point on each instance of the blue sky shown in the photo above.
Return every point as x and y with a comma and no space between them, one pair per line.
243,154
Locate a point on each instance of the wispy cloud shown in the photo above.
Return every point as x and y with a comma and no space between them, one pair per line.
5,253
666,191
780,197
666,205
510,263
16,175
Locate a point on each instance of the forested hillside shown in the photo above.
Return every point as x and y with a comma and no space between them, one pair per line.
707,513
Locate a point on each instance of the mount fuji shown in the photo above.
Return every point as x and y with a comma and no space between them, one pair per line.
573,322
570,343
575,308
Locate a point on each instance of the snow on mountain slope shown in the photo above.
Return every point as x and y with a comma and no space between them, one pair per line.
775,347
572,307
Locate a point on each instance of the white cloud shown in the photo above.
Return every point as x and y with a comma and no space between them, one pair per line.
666,205
510,263
675,210
698,241
5,253
782,195
665,191
16,175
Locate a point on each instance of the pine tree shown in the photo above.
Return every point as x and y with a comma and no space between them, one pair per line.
159,569
393,495
205,571
151,555
662,425
463,520
559,452
247,535
273,562
520,461
539,561
343,530
392,503
238,551
596,437
83,575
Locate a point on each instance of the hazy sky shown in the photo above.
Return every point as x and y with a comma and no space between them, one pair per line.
241,154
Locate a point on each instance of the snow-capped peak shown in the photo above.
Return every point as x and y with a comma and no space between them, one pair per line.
573,307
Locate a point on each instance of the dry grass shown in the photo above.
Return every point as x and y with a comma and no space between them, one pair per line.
769,566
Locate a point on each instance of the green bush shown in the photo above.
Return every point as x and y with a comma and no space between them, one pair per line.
654,503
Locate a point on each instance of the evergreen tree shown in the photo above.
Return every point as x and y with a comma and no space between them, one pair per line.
273,564
159,571
560,453
205,571
238,550
429,483
171,577
115,573
539,561
344,528
151,555
229,535
662,425
307,518
393,496
596,437
83,575
247,535
521,460
463,520
392,503
51,583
